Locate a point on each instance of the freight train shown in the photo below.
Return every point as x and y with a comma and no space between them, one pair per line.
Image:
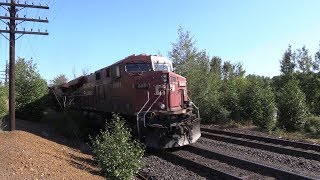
144,89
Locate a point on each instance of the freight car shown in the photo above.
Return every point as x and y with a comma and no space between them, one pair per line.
144,89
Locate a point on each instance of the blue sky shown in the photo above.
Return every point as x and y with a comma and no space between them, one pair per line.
94,34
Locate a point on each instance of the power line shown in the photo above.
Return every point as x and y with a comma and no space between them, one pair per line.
13,9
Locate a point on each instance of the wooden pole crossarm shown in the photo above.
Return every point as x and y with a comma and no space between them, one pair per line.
25,32
26,19
24,5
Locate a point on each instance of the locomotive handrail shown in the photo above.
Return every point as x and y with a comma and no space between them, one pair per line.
70,101
198,112
64,101
56,98
138,128
144,116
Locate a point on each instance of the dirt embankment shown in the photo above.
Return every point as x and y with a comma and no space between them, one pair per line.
34,152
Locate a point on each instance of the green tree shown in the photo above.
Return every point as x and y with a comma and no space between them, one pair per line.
183,51
233,85
316,62
258,102
292,108
304,60
61,79
287,64
194,65
215,65
31,90
310,85
227,69
197,78
239,70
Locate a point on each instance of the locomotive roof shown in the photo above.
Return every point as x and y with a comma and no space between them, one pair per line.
140,58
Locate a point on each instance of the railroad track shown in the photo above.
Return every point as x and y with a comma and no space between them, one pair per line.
211,173
252,166
297,149
206,161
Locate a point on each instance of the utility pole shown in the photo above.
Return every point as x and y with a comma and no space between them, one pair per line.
13,7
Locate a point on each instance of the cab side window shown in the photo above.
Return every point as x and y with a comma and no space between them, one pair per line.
98,76
117,71
108,74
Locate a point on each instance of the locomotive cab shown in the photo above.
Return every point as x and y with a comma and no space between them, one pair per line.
166,117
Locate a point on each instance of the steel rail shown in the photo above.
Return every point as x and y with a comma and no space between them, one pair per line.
142,176
263,146
256,167
301,145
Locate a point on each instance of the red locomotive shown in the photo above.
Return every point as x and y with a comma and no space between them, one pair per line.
145,90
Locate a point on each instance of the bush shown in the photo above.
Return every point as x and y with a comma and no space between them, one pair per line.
312,125
71,124
117,155
292,108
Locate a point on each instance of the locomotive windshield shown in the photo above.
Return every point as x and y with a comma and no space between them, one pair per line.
162,67
138,67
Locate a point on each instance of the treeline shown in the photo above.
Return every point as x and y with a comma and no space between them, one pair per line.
223,92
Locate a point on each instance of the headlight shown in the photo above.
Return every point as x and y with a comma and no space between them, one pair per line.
164,78
188,104
162,106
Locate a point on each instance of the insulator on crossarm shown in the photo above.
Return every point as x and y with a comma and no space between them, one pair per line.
24,29
25,2
32,3
31,30
6,15
38,30
47,5
16,29
46,18
25,16
46,30
39,18
17,15
39,3
18,2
